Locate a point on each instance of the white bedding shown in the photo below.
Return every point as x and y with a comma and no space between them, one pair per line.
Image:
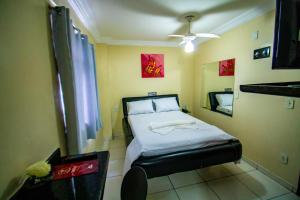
225,109
149,143
168,126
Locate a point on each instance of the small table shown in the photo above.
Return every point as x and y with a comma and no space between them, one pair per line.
85,187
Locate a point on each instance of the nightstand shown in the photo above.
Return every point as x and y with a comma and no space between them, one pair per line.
85,187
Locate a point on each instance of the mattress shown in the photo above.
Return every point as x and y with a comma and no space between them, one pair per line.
179,139
225,109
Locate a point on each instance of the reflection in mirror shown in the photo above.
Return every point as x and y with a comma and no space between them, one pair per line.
217,86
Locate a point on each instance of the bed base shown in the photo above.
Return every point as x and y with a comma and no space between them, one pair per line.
189,160
162,165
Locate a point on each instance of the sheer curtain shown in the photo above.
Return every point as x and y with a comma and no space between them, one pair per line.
77,74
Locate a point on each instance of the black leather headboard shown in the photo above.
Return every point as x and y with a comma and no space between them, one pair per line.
129,99
213,100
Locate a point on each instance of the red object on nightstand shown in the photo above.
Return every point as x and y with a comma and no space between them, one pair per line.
75,169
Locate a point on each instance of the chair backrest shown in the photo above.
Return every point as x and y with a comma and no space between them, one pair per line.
134,185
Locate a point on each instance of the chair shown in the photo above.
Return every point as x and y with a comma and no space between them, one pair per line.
134,185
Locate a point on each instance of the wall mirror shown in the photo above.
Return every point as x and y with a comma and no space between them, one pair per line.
217,86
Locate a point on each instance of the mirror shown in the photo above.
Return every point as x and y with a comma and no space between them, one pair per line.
217,86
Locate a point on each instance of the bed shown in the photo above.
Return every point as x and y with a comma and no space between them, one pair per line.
214,104
225,109
175,156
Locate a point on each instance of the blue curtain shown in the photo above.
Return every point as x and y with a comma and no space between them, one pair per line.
77,73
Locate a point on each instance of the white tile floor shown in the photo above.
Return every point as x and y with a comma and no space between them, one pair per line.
223,182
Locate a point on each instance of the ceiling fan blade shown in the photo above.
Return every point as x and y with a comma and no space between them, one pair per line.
181,30
230,6
180,36
153,8
182,42
207,35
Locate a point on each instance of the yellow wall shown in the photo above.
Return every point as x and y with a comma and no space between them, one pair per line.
261,122
30,127
124,63
212,82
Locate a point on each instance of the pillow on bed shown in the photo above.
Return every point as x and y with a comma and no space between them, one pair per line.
224,99
166,104
139,107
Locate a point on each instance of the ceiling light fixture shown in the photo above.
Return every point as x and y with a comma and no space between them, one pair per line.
189,47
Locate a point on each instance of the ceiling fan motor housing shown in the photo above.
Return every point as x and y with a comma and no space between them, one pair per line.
189,37
189,18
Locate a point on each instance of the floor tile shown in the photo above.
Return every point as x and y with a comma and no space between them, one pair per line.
290,196
117,143
262,185
231,189
115,168
159,184
196,192
185,178
239,168
113,188
116,154
167,195
214,172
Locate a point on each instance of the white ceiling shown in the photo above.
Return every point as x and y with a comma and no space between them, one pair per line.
150,21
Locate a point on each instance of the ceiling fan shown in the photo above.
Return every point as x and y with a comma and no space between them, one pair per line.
189,36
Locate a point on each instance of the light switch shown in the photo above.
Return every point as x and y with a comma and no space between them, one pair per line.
254,35
236,94
284,159
289,103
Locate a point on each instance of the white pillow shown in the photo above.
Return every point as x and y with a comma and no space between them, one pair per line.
139,107
224,99
166,104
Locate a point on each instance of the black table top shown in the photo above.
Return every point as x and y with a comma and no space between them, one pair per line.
87,187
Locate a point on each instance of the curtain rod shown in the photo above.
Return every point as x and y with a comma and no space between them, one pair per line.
52,3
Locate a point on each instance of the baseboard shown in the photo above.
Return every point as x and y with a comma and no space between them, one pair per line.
106,141
271,175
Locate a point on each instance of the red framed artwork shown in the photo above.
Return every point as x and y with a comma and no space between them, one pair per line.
152,65
226,67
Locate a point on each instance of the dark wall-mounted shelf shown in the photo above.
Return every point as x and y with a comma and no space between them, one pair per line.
291,89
